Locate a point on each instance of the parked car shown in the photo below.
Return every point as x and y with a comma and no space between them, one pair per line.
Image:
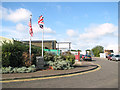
116,57
87,57
110,57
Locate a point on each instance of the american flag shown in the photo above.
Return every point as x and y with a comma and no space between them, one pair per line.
30,25
40,21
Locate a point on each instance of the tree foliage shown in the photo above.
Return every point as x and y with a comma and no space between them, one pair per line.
97,50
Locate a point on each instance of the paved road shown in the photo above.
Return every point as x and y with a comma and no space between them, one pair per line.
106,77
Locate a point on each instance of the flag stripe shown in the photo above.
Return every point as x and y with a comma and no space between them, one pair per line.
40,21
30,28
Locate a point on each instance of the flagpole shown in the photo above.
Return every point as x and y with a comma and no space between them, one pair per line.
30,43
42,39
40,22
30,50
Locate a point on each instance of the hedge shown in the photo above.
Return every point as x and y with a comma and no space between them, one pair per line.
12,54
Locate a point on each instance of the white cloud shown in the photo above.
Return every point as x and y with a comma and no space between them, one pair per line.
37,29
0,12
71,33
94,32
103,34
49,30
21,32
17,15
99,35
21,27
11,32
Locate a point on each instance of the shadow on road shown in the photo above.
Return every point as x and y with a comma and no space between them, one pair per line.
88,60
83,66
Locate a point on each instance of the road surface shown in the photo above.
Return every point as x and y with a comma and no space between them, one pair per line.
106,77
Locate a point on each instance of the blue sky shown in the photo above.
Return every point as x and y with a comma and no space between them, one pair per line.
85,24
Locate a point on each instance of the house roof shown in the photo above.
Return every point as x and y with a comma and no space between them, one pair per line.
37,41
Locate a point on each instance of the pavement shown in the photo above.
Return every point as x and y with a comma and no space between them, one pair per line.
80,66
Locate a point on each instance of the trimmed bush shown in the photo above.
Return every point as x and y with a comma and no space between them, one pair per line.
12,54
16,54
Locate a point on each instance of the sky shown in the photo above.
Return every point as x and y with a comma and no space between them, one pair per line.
84,24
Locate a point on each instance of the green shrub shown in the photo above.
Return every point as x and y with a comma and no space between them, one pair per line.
6,58
26,59
7,70
15,70
12,54
48,56
68,57
18,70
60,64
63,62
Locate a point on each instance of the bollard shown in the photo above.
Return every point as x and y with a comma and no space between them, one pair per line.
78,55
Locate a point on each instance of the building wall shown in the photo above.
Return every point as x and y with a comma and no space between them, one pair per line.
48,44
103,55
63,46
45,44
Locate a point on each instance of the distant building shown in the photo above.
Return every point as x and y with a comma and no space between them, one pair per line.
64,46
48,44
107,52
103,55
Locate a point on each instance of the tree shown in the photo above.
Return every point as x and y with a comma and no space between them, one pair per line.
97,50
